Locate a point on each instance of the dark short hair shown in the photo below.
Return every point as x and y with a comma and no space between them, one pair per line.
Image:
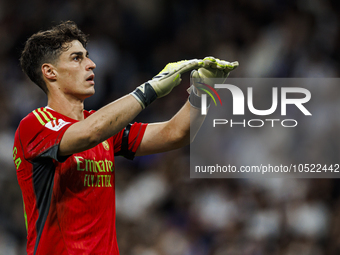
46,47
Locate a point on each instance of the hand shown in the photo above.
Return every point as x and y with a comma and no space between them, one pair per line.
213,68
215,64
202,79
170,76
166,80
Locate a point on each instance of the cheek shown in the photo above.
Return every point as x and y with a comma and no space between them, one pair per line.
69,78
68,72
67,82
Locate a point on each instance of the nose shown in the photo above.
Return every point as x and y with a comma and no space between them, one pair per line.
91,65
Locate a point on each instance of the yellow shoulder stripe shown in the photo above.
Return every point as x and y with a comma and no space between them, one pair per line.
43,116
38,117
49,114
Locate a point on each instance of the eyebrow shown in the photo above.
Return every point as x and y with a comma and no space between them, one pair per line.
79,53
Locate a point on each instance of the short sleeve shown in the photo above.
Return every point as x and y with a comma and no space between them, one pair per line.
126,142
40,134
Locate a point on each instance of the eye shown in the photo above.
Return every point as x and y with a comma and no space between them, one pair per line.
77,58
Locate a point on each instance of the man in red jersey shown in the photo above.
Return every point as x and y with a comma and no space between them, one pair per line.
64,155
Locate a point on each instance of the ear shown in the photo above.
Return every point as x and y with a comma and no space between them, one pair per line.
48,71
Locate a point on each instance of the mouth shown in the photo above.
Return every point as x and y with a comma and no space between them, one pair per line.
90,79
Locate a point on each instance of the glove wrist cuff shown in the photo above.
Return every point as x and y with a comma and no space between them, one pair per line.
144,94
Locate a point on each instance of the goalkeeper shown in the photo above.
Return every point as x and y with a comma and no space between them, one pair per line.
64,155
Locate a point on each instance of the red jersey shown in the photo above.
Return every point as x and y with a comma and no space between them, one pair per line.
69,202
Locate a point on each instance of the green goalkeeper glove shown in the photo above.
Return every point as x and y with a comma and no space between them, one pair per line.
213,68
166,80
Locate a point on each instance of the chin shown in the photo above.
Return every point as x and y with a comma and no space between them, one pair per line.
91,91
88,94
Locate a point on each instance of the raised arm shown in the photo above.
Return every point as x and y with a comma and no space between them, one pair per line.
112,118
99,126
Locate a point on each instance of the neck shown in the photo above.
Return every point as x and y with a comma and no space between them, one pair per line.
72,108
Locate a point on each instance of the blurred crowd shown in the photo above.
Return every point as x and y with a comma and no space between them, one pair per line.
160,210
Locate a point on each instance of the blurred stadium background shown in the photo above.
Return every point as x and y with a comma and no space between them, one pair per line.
160,210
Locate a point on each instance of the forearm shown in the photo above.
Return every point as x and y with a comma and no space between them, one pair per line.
186,124
172,134
99,126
